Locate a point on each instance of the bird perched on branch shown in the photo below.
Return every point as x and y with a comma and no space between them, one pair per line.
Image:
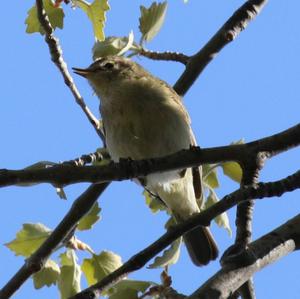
144,118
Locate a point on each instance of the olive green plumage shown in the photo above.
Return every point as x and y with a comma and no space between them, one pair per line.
144,118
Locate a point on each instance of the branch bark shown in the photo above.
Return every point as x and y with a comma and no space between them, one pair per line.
259,254
226,34
245,154
57,58
204,218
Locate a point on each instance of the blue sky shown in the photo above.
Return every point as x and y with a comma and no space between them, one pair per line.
249,91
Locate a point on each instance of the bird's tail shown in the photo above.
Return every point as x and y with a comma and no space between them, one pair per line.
201,245
179,197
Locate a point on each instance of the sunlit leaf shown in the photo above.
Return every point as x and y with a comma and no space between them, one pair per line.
222,220
29,239
70,274
129,289
114,46
90,218
232,170
152,19
169,256
210,175
96,12
55,14
100,265
47,276
154,203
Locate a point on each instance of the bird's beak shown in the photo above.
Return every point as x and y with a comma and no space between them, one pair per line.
82,72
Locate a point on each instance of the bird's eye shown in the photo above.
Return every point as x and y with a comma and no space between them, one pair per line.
108,65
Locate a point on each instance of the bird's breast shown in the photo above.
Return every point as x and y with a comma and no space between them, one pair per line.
141,125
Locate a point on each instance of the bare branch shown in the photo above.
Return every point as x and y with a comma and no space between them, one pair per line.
57,58
243,221
259,254
227,33
246,154
166,56
204,218
38,259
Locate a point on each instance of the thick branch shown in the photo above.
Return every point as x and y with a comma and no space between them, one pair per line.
245,154
259,254
37,260
57,58
204,218
227,33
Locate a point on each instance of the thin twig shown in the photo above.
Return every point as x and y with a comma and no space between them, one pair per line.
204,218
57,58
166,56
259,254
226,34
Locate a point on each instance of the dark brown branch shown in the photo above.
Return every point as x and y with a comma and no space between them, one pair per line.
245,154
204,218
259,254
37,260
166,56
243,221
227,33
57,58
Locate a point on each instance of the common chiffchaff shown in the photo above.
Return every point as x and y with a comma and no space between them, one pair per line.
144,118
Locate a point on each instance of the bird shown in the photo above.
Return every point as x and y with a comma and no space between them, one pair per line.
143,118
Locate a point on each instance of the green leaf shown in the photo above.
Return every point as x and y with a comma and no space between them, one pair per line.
90,218
70,274
129,289
100,265
55,14
210,175
152,19
154,203
232,170
169,256
29,239
47,276
222,220
96,13
114,46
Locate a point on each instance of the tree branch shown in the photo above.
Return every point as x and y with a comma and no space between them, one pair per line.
226,34
259,254
166,56
57,58
245,154
38,259
204,218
